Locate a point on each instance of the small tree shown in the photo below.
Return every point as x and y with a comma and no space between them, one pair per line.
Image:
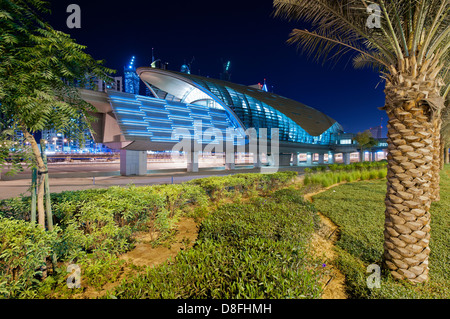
38,69
365,141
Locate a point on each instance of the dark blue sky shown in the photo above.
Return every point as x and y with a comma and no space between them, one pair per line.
244,32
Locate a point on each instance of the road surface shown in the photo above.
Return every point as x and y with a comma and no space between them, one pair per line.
71,177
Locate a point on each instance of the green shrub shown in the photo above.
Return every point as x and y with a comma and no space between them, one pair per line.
334,167
229,186
97,272
93,227
105,220
326,179
252,250
23,249
16,208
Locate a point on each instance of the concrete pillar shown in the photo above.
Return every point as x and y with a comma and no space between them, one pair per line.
309,156
192,162
257,161
321,158
276,162
346,158
285,159
330,158
374,156
230,161
133,163
295,159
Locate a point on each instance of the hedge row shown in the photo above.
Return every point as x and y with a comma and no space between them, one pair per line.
360,166
326,179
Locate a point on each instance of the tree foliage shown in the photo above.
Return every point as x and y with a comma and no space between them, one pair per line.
408,28
38,69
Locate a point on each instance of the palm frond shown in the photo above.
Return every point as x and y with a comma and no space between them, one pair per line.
322,45
409,28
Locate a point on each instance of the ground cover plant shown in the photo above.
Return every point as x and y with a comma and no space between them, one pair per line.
336,173
256,249
358,210
94,227
253,239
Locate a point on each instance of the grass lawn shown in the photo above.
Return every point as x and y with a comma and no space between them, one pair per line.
358,210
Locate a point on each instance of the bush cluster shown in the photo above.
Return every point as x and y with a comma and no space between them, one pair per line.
100,223
360,166
246,184
23,249
345,173
255,249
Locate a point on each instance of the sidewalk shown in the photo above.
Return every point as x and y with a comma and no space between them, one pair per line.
69,182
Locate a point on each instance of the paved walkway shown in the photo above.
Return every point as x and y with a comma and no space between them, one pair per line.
70,181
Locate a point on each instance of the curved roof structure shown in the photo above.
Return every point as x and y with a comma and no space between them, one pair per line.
253,108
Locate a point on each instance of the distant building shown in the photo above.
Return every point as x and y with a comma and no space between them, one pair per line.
132,81
259,86
95,84
116,85
226,74
185,69
376,131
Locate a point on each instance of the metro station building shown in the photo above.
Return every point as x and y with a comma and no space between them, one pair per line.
135,124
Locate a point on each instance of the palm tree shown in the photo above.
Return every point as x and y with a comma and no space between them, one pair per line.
407,42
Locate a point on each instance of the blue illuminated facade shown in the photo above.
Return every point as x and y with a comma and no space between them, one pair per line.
182,101
256,114
132,81
152,119
253,108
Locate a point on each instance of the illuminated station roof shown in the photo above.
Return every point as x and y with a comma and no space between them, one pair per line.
248,107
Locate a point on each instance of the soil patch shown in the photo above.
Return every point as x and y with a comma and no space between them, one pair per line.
144,254
322,246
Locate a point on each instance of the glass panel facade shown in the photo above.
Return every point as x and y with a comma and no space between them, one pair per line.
256,114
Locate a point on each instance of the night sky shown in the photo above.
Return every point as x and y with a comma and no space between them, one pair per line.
244,32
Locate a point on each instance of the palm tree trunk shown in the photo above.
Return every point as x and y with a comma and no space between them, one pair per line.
446,155
408,198
412,179
437,158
